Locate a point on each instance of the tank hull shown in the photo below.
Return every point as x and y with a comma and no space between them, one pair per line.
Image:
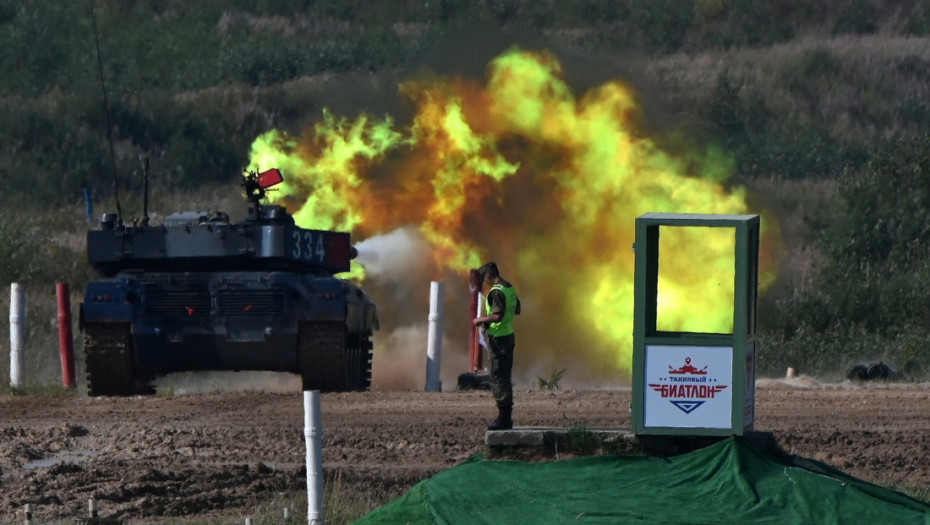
177,322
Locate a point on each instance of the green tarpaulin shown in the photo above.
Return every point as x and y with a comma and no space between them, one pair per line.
729,482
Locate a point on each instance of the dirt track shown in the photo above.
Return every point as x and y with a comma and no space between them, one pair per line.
225,454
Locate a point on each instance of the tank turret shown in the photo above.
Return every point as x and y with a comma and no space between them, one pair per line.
268,239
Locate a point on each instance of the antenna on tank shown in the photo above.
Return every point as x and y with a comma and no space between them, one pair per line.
106,107
145,191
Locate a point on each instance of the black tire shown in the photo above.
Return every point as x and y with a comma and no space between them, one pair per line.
879,371
108,352
857,373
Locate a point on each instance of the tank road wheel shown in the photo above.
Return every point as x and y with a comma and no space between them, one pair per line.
330,360
108,352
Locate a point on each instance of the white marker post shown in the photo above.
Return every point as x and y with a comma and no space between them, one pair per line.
434,339
17,334
313,434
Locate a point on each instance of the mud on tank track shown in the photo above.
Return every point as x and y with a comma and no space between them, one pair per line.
225,454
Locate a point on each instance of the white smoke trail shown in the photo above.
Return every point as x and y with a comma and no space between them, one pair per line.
392,256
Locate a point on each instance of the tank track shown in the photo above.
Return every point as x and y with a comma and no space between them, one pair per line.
108,353
359,353
330,360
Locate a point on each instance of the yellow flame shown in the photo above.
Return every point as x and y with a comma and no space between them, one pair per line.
523,172
696,268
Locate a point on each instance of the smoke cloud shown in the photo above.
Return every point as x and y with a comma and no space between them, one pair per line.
391,257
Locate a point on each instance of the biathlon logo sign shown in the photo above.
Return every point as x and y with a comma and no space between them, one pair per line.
688,386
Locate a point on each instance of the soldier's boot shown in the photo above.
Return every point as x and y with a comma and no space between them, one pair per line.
503,421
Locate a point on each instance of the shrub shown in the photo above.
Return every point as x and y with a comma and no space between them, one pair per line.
551,382
741,23
663,24
919,22
829,354
35,251
578,437
858,17
792,315
878,243
870,301
20,242
913,110
763,146
807,76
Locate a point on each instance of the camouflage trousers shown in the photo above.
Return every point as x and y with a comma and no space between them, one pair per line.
501,355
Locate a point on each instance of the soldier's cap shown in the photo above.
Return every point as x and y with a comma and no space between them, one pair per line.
489,268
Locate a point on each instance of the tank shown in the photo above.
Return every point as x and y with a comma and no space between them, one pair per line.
202,293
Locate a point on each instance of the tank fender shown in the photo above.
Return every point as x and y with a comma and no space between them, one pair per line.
361,311
320,298
107,302
372,315
301,290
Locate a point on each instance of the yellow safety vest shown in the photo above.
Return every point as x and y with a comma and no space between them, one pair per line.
505,325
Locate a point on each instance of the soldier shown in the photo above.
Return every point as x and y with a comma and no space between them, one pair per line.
502,305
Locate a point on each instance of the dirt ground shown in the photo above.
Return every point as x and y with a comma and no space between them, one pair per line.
225,454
